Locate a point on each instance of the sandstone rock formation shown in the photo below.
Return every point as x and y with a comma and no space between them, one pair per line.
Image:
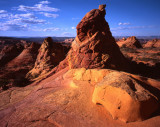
10,52
50,54
130,42
26,57
94,45
14,72
155,43
125,97
65,99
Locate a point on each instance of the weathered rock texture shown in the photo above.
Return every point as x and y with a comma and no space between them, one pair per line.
94,45
14,72
125,97
50,54
10,52
26,57
155,43
131,42
65,99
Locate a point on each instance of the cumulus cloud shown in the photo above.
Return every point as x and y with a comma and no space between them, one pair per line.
4,16
73,28
51,29
27,15
27,20
41,6
127,23
44,2
50,15
32,21
3,11
13,27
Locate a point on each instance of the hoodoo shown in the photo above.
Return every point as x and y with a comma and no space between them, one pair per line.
94,45
50,54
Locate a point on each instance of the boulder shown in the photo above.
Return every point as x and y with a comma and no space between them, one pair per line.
126,98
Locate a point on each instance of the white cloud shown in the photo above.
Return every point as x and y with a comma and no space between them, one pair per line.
27,15
41,6
4,16
127,23
44,2
3,11
33,21
51,29
50,15
73,28
13,27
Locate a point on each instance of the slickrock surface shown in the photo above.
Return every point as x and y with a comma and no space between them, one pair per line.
125,97
94,45
64,99
130,42
155,43
49,56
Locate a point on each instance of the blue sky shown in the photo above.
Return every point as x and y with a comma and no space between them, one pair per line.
37,18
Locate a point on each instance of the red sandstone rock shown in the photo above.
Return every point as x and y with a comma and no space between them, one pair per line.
27,56
50,54
65,99
131,42
14,72
94,45
9,52
125,98
155,43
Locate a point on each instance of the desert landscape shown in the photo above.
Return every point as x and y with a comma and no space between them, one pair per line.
91,80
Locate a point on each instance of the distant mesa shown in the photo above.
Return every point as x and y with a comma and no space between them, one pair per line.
130,42
155,43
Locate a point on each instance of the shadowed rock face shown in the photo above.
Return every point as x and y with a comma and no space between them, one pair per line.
14,72
10,52
26,57
131,42
94,45
50,54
